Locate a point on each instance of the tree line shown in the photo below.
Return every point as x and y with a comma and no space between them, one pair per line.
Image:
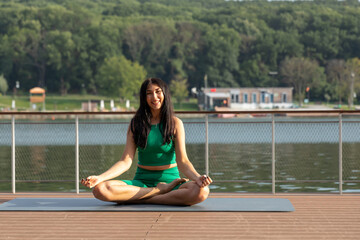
109,47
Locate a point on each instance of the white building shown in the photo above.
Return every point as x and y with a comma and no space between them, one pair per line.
246,98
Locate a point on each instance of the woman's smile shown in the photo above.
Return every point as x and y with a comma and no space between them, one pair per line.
156,103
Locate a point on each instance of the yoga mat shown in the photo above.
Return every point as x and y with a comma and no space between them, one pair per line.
92,204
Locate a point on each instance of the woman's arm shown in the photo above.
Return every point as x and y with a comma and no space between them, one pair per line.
184,164
118,168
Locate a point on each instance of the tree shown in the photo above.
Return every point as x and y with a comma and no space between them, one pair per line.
184,53
220,57
149,44
179,89
120,77
322,36
336,75
62,44
29,48
301,73
353,77
6,58
59,48
3,85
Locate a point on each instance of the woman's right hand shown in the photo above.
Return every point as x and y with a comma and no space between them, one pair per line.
91,181
204,181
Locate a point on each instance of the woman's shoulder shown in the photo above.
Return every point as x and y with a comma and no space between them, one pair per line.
177,121
178,125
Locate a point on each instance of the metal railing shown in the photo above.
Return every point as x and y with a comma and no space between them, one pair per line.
267,118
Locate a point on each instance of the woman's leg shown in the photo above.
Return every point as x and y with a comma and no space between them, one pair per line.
188,194
119,191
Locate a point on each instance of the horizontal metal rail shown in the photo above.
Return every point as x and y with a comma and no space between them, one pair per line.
39,181
286,181
216,181
280,111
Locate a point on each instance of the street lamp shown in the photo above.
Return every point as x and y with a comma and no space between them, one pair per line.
351,97
205,85
17,86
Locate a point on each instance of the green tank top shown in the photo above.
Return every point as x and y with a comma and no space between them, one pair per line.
155,153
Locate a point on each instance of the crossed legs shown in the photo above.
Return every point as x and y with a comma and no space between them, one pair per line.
117,191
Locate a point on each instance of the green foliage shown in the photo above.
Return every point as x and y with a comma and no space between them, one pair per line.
66,45
149,43
179,90
3,85
336,71
353,79
120,77
222,52
301,73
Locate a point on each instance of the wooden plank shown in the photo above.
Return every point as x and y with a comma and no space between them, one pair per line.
315,217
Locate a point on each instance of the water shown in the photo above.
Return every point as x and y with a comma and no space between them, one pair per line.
240,153
324,130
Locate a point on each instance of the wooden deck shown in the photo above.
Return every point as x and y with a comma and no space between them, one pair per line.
315,217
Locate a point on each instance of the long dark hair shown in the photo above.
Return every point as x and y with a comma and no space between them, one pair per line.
141,122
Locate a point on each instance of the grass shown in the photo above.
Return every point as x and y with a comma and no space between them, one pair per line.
332,105
73,102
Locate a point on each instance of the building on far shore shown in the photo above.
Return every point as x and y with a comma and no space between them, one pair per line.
245,98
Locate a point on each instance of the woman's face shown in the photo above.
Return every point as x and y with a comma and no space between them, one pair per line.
154,96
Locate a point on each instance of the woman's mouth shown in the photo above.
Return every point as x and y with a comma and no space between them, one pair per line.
156,103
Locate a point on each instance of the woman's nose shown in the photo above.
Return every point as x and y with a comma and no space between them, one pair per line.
154,95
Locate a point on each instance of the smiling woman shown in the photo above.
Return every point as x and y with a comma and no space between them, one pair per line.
159,137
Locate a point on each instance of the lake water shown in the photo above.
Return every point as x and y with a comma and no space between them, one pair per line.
240,153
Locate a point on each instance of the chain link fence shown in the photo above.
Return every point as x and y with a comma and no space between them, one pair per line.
307,155
351,153
5,155
241,153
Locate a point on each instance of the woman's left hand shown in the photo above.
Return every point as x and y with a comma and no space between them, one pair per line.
203,181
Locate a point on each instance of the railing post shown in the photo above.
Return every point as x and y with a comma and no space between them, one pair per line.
340,155
273,172
77,153
13,172
206,144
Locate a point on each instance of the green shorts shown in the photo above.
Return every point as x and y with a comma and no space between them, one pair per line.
149,178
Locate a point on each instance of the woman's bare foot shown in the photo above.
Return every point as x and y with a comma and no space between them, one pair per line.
167,187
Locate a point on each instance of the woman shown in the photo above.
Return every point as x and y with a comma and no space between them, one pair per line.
159,137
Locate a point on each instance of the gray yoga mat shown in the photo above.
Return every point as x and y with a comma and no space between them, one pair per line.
92,204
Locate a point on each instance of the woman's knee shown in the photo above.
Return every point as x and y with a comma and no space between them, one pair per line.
203,193
101,191
198,194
